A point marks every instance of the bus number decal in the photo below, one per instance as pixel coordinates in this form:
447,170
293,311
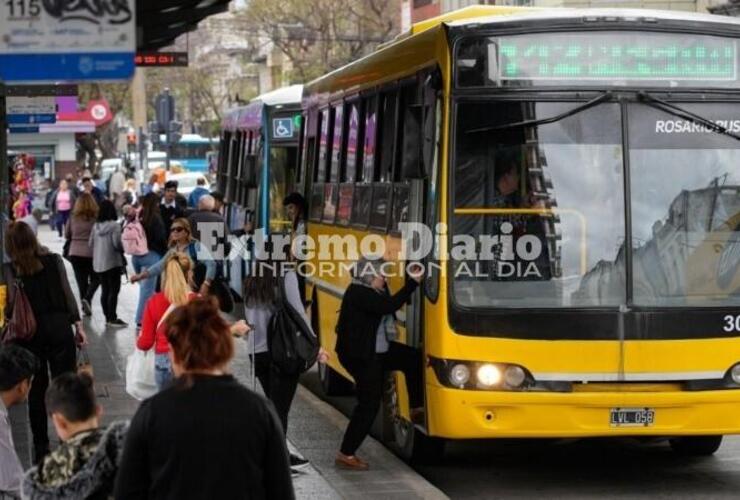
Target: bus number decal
732,323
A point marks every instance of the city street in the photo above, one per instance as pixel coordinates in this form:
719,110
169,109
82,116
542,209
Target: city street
586,469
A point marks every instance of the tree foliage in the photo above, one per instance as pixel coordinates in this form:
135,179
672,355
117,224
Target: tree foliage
105,138
318,36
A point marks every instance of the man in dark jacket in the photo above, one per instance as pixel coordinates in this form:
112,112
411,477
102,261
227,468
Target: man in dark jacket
209,227
367,349
171,207
85,464
88,186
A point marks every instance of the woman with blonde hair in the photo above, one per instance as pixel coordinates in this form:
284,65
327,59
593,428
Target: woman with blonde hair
176,291
77,232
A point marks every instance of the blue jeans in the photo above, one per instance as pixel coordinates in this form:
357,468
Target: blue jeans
147,286
162,370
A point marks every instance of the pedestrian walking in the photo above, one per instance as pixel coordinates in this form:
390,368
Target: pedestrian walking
88,186
173,205
175,292
182,241
78,232
44,281
200,190
116,188
61,203
207,225
17,367
259,307
365,346
130,196
156,239
205,435
85,464
152,186
108,261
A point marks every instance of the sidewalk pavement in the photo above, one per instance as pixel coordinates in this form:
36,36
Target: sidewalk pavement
315,428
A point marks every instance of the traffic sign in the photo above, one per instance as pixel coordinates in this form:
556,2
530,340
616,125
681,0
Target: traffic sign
66,41
282,128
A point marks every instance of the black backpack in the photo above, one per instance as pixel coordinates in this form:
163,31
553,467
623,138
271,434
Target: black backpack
293,347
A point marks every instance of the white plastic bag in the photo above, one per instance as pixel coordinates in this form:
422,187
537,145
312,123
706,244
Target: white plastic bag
140,382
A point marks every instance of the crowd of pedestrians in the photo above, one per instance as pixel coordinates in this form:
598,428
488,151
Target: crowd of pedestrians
176,446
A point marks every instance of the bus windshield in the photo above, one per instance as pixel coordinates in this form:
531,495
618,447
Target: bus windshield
685,189
545,207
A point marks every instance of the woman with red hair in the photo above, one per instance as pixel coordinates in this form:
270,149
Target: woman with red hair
205,435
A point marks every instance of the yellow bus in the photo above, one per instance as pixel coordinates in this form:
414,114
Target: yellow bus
583,170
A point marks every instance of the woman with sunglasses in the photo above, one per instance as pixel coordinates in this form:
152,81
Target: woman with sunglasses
181,240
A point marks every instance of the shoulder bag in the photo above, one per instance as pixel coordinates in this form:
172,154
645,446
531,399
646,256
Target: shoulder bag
21,325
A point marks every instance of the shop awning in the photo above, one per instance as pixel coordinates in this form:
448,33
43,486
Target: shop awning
159,22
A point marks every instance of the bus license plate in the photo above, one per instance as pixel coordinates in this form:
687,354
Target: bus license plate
632,417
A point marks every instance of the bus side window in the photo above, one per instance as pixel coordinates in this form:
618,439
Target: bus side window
319,168
351,153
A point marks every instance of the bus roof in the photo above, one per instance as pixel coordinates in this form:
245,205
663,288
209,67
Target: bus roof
467,13
423,43
636,16
250,116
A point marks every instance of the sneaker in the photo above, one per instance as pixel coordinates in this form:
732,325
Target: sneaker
294,473
116,323
86,308
297,462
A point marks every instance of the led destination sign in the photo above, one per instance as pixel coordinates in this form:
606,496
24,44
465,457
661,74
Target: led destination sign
625,56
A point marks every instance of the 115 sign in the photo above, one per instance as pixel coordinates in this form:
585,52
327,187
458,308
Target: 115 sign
20,9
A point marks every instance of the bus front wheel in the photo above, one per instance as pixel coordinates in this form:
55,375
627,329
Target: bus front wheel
403,437
696,446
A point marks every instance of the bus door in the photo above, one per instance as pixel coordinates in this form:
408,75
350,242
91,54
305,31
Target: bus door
282,171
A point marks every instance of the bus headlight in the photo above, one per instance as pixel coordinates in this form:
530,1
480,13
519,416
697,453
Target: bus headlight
735,373
514,376
459,375
488,375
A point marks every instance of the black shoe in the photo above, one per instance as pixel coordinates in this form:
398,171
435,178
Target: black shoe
297,462
86,308
294,473
116,323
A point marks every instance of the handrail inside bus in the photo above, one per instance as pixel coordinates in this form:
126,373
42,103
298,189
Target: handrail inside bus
536,211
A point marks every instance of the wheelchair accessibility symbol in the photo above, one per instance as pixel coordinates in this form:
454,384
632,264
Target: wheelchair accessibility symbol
282,128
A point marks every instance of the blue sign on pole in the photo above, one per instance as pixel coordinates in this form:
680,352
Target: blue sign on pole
24,129
67,41
29,119
282,128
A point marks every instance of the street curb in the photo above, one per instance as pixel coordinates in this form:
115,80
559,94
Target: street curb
414,485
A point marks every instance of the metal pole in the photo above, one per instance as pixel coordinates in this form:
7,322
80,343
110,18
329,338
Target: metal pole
4,186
